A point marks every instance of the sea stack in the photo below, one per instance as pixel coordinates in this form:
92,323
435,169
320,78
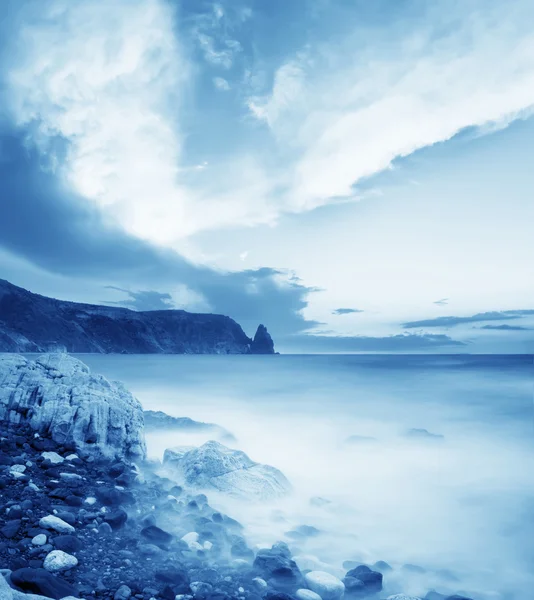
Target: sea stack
262,342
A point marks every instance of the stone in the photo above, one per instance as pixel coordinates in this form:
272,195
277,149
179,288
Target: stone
123,593
57,561
11,528
67,543
276,566
116,518
58,393
53,457
372,580
40,581
56,524
324,584
39,540
402,597
214,466
156,536
304,594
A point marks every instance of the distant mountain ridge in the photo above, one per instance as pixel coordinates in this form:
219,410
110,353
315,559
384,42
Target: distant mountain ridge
33,323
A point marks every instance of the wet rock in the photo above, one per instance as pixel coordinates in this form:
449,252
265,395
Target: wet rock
123,593
67,543
11,528
116,518
40,581
57,561
372,580
324,584
157,536
276,566
214,466
304,594
56,524
39,540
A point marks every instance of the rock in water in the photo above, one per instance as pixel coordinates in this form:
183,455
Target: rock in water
214,466
324,584
57,393
262,342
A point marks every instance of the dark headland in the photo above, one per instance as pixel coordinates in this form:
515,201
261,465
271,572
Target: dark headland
33,323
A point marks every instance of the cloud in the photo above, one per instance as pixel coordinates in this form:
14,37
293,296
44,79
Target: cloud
144,300
221,84
346,311
379,94
505,315
347,344
442,302
61,232
505,327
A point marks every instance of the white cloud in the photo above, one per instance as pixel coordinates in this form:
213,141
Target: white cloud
362,106
111,78
221,84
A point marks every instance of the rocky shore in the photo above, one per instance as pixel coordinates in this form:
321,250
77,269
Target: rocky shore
81,520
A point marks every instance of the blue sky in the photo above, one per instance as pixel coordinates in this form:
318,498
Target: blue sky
335,169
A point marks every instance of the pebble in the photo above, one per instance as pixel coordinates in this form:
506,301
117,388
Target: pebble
56,524
57,561
39,540
123,593
53,457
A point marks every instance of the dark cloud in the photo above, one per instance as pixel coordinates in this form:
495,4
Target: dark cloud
442,302
505,315
394,343
505,327
346,311
57,230
143,300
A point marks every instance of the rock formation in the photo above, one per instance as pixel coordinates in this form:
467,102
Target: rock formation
262,342
33,323
214,466
57,394
157,420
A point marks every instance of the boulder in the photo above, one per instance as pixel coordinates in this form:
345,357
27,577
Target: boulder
56,524
214,466
40,581
57,561
324,584
58,394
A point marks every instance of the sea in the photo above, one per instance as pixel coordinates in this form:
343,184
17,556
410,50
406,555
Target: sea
452,511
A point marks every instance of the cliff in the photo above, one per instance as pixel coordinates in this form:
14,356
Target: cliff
33,323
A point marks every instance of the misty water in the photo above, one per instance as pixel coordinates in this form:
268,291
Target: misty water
461,508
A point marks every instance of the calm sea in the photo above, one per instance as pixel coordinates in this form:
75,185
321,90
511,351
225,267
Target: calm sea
460,508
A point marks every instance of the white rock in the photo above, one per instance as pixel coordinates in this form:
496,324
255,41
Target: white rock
259,583
214,466
190,537
208,545
324,584
58,393
56,524
90,501
17,469
39,540
57,561
33,487
71,457
16,474
304,594
53,457
402,597
69,476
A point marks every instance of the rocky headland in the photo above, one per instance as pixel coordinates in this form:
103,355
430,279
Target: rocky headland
33,323
83,514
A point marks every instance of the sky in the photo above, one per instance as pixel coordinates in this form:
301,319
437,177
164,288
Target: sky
355,175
